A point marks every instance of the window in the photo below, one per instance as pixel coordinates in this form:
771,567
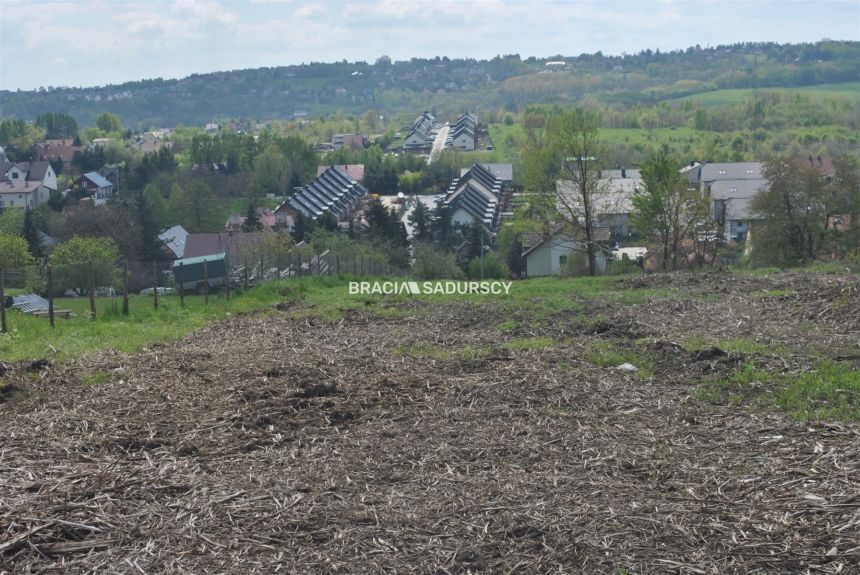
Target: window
562,260
733,190
750,171
722,172
14,175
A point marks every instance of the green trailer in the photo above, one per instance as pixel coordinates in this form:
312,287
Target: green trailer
190,275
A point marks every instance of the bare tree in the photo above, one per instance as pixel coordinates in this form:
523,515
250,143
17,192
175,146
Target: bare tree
574,143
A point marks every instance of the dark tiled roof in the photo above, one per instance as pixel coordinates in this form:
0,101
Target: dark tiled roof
334,191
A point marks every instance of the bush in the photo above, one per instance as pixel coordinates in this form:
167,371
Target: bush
494,268
431,263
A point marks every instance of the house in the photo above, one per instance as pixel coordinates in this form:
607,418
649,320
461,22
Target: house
94,187
334,191
561,251
212,128
150,142
26,184
612,200
264,215
463,133
422,133
505,172
731,187
113,174
476,195
348,141
354,171
556,66
174,239
57,149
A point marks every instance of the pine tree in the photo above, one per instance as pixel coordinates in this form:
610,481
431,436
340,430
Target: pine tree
514,258
302,226
31,234
419,218
252,220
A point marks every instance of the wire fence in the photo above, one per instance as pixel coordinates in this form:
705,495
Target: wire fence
42,289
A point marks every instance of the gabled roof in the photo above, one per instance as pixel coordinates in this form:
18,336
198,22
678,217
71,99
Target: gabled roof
174,239
532,241
477,192
99,180
35,171
334,191
726,189
505,172
355,171
711,172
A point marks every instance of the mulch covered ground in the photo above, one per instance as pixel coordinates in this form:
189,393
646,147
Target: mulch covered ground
271,444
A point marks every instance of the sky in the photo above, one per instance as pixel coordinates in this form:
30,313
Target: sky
93,43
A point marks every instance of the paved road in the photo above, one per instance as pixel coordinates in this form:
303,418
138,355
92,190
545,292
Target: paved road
438,144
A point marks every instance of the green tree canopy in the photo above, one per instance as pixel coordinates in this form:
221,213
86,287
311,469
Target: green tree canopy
79,257
14,252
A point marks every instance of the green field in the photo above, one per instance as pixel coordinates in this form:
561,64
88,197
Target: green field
847,90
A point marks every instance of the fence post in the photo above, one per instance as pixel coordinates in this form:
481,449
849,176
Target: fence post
227,279
262,274
51,294
92,292
337,264
3,325
328,263
300,264
205,283
124,287
181,283
246,274
155,290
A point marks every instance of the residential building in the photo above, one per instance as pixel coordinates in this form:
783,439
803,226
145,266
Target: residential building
354,171
422,133
334,191
94,187
562,251
476,195
174,239
348,141
612,200
264,215
731,187
57,149
26,184
463,134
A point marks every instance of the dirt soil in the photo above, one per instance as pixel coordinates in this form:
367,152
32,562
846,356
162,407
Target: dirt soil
270,443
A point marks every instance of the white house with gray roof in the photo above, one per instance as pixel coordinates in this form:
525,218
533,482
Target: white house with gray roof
26,184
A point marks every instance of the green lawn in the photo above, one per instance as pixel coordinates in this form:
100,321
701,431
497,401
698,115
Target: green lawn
848,90
328,297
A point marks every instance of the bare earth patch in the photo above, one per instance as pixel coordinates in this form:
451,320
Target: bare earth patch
269,443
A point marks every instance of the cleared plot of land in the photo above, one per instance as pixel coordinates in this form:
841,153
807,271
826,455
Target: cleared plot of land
443,436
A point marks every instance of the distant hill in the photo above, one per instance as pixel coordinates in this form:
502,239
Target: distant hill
447,86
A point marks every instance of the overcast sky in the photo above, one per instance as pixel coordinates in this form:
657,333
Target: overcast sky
79,43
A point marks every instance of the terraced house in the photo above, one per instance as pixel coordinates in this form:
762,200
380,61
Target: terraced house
479,194
463,133
334,191
26,184
422,134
